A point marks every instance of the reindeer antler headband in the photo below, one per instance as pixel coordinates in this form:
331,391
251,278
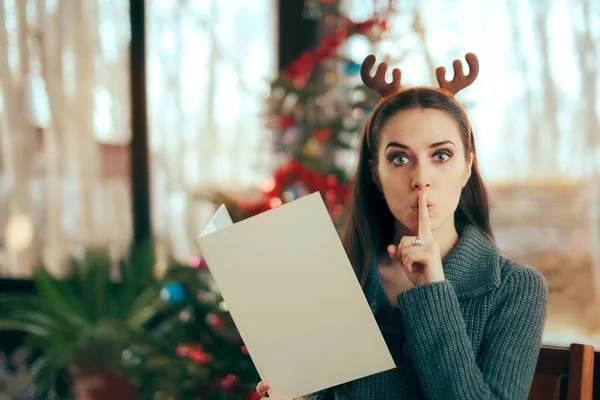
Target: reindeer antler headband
389,90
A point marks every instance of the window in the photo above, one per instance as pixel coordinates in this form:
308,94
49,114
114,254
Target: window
64,168
536,126
209,67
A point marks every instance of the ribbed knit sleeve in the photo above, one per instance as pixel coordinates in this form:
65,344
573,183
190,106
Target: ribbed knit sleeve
441,350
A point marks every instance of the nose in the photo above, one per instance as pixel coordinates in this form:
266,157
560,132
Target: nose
421,177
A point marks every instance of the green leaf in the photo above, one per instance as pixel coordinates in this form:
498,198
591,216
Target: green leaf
20,301
127,289
140,337
163,328
95,283
140,318
43,320
31,308
31,328
161,362
144,300
59,296
44,373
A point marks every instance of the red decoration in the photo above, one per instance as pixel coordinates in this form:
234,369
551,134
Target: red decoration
300,70
215,322
293,179
286,122
194,353
294,172
198,262
228,382
253,396
322,135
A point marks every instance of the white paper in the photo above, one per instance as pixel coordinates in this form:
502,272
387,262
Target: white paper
218,221
294,297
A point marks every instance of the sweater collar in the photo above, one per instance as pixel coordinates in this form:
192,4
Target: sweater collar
472,267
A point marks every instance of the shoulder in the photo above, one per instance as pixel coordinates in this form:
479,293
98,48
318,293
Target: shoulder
520,302
518,279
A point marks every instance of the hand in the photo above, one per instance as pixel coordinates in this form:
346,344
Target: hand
263,387
422,264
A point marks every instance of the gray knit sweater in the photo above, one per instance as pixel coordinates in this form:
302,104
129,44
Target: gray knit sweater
474,336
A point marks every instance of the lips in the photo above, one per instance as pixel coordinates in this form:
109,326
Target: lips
416,205
416,209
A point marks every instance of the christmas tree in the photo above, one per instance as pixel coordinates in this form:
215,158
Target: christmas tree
214,363
315,112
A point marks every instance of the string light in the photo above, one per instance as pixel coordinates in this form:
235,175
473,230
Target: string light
19,232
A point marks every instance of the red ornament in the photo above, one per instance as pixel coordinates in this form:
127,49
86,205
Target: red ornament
182,350
215,322
322,135
228,382
269,185
200,357
275,202
194,353
286,122
330,196
332,180
198,263
253,396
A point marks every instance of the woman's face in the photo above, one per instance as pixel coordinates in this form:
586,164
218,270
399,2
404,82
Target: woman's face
421,149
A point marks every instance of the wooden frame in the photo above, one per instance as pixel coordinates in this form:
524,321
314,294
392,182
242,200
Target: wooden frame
554,364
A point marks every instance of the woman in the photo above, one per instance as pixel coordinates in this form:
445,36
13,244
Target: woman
461,320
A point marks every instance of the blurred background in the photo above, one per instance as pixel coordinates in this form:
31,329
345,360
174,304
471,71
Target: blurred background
123,124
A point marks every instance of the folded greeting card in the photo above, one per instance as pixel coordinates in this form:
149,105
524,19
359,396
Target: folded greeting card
294,297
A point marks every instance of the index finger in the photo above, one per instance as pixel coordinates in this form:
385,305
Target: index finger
424,226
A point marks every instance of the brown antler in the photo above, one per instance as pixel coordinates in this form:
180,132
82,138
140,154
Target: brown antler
377,82
460,81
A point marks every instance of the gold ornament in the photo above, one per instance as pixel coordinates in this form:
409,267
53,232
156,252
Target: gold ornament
313,148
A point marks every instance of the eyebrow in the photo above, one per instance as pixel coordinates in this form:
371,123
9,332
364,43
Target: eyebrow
431,146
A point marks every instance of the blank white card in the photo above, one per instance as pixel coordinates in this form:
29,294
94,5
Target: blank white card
294,297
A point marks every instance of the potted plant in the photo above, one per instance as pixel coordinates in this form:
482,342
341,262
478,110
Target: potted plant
105,335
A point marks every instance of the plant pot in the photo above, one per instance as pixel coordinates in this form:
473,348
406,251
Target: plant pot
102,385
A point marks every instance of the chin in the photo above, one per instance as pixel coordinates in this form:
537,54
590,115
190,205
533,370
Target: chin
410,222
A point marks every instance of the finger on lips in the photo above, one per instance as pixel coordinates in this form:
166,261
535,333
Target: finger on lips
424,223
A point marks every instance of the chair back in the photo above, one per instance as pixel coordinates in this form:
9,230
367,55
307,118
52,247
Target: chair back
564,373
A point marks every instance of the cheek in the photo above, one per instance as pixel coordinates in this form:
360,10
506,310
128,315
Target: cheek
450,189
394,183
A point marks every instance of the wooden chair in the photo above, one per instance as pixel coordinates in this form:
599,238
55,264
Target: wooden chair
555,367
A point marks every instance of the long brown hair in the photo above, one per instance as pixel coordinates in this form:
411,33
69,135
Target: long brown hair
369,222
